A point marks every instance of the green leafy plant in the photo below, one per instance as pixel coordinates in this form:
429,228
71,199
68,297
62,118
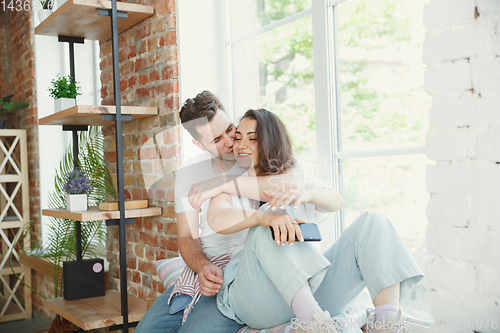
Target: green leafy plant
64,87
60,245
47,4
8,106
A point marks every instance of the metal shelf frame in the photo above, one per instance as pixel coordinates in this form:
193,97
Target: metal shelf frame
114,14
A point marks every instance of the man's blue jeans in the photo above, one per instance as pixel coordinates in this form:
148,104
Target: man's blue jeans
204,317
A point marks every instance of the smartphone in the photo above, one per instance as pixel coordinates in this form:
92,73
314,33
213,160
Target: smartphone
310,232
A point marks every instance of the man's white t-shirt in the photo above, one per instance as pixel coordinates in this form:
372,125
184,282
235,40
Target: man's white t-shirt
193,171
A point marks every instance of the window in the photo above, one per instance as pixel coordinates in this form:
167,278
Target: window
346,77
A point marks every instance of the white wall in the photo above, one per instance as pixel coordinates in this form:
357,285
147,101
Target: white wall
462,50
201,55
52,58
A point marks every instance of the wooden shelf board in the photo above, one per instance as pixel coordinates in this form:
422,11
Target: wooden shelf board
97,312
92,114
79,18
93,213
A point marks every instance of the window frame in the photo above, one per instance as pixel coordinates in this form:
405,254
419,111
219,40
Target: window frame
327,91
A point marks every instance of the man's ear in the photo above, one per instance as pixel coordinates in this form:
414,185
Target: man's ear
199,145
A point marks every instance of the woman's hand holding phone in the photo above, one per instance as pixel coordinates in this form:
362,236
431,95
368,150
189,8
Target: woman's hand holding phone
284,226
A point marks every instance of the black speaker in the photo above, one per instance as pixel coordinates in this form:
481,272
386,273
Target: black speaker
83,279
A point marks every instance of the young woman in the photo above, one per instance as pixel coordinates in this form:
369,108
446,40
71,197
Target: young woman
270,282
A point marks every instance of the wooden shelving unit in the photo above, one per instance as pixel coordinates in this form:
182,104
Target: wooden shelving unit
99,20
92,115
79,18
14,213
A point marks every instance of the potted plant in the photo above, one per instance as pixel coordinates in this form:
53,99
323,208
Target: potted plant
7,106
60,244
64,90
76,186
46,7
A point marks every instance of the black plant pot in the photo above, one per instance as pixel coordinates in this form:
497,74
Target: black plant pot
2,124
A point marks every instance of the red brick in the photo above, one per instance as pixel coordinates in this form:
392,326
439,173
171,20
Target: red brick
158,286
172,135
136,277
166,6
161,254
143,293
132,52
122,55
136,194
133,80
144,92
107,75
172,244
172,151
169,87
106,48
123,85
154,76
150,254
143,32
127,68
104,92
143,79
141,64
144,46
127,194
168,212
110,156
146,267
169,72
172,103
147,154
145,139
132,291
160,226
148,239
148,224
123,40
131,263
159,195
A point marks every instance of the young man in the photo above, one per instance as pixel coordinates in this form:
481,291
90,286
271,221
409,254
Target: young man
203,177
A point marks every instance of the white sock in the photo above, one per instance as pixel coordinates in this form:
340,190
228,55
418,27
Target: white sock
381,312
304,305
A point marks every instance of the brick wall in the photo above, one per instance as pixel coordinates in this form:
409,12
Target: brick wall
149,77
462,50
17,76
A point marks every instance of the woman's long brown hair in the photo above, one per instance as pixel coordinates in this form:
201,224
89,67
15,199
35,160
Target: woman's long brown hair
275,145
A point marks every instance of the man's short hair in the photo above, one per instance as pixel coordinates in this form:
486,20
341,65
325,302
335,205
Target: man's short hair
205,104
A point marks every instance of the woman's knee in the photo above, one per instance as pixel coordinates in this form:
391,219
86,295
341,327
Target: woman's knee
373,219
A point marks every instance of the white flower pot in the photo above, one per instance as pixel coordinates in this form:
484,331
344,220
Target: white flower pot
76,202
43,14
63,104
